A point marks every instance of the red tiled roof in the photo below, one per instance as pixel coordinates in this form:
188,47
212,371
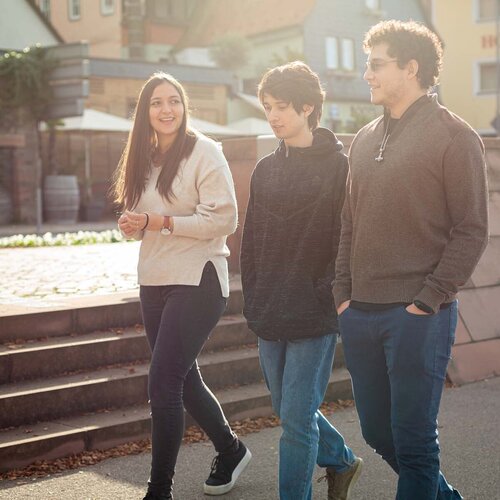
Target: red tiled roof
214,18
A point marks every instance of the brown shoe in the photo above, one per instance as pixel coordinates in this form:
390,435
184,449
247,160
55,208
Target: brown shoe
341,483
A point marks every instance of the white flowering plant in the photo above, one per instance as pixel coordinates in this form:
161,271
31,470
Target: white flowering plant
62,239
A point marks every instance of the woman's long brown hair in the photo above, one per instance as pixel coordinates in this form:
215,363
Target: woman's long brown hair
133,170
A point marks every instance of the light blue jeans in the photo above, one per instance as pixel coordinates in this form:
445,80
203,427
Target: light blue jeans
297,374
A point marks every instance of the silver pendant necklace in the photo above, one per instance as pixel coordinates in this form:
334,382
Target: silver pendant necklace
383,144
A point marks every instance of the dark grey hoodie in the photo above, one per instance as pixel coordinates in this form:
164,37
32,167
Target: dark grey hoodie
290,239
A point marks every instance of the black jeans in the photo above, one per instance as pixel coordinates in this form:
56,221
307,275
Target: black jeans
178,320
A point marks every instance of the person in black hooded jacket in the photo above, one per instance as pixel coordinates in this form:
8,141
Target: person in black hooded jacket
289,246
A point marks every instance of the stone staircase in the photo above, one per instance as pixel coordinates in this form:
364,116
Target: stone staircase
75,378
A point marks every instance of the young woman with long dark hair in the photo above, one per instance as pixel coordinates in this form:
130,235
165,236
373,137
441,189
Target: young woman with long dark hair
178,197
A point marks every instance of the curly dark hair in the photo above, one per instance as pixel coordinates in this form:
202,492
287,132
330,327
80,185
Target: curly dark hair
406,41
295,83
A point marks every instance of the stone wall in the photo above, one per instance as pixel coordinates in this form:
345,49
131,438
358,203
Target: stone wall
18,135
476,354
105,152
241,155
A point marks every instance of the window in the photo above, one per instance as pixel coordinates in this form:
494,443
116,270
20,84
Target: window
107,7
372,4
342,59
45,8
74,10
347,54
171,11
332,53
486,10
162,9
189,6
487,78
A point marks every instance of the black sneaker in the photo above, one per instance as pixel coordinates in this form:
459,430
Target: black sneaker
226,468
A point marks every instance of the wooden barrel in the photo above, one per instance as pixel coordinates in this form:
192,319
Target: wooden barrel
61,198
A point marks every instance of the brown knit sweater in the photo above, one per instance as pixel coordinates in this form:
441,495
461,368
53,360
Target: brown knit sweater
415,224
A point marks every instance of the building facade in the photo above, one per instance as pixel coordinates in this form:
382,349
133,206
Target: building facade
333,46
327,34
22,25
128,29
128,41
115,86
96,21
470,80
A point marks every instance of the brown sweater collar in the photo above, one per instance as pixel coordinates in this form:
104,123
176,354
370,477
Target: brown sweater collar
413,108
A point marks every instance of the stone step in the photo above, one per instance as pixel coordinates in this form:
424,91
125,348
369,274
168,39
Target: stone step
70,353
86,314
31,401
53,439
78,315
61,396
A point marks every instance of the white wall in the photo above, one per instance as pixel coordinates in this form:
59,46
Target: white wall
20,26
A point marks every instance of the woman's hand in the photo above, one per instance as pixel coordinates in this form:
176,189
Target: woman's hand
131,222
138,220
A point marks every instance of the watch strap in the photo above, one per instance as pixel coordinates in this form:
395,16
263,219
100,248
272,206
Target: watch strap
166,228
423,306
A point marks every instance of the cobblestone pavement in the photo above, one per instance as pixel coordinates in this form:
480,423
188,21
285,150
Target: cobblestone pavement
42,276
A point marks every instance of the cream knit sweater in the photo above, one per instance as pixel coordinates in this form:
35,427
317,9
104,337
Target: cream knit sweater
204,212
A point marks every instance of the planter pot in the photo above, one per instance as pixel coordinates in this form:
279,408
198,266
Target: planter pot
61,198
5,207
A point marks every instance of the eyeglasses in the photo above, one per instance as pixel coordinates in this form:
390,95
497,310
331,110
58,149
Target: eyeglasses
378,64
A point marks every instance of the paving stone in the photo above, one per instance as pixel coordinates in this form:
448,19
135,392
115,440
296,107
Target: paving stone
30,273
462,336
487,272
494,211
479,311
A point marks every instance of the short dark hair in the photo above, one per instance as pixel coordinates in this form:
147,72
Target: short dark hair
406,41
295,83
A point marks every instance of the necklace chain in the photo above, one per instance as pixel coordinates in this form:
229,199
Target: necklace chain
383,144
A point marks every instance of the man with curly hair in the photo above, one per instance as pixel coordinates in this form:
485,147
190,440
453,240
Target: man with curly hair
414,226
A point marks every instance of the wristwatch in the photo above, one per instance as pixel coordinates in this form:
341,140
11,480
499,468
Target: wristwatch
165,230
423,306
